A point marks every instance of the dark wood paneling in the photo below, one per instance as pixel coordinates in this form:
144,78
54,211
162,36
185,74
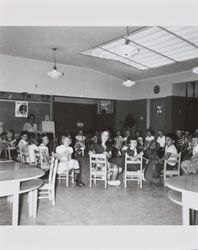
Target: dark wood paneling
158,120
7,114
67,114
104,121
138,109
178,113
184,113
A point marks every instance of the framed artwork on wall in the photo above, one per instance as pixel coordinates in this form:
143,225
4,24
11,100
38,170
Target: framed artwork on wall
21,109
105,107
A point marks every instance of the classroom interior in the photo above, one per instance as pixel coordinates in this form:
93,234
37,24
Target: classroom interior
164,67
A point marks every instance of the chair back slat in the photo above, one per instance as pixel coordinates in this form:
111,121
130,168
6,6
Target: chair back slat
128,160
135,175
174,172
98,168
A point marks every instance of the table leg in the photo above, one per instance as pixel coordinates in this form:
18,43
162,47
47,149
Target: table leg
186,216
15,209
35,196
30,203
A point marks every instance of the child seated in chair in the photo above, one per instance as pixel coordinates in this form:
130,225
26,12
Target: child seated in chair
80,143
11,143
3,145
104,147
33,150
64,153
118,140
44,150
23,146
133,154
170,156
191,165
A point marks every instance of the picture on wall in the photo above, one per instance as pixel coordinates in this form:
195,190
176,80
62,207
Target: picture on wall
21,108
105,107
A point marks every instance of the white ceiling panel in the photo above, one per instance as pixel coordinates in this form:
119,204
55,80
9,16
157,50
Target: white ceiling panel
162,50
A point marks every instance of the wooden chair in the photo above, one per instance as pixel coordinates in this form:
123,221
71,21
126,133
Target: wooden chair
99,168
133,175
174,172
67,175
9,149
48,189
40,160
23,155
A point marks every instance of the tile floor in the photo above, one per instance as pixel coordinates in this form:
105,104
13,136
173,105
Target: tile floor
99,206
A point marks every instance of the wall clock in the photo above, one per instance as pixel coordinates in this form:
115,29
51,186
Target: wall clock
156,89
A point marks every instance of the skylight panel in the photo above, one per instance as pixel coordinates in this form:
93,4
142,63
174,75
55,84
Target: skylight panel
155,47
189,33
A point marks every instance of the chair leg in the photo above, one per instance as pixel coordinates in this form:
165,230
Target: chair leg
90,180
49,195
53,197
125,180
73,177
67,179
164,180
141,183
106,177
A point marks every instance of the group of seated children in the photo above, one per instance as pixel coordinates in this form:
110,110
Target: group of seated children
34,150
154,151
26,148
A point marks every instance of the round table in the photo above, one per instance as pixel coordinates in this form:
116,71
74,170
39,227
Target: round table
12,174
187,185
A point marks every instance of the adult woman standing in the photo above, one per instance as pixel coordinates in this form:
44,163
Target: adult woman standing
105,148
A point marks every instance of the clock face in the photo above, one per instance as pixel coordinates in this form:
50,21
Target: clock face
156,89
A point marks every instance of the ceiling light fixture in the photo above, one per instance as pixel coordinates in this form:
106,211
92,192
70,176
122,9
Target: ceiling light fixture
128,83
195,70
127,50
55,73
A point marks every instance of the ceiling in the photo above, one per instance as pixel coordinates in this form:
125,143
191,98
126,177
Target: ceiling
36,43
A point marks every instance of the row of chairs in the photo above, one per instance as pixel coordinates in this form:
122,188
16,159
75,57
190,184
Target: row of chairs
102,173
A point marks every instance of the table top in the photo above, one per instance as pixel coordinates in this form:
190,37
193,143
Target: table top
11,171
184,183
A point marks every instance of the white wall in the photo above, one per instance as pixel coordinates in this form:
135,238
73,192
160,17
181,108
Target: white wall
144,88
27,75
24,75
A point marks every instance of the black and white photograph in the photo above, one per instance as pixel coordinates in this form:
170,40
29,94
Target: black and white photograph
21,109
99,127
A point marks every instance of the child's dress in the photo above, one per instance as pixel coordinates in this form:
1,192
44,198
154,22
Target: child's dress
33,153
23,151
66,161
45,157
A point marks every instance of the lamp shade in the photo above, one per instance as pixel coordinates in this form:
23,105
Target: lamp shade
55,74
195,70
128,83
